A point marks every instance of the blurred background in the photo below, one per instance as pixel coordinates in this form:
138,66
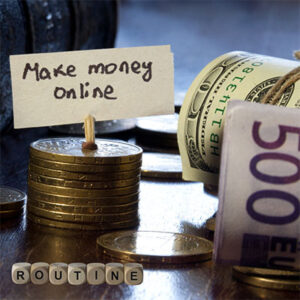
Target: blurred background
198,32
201,30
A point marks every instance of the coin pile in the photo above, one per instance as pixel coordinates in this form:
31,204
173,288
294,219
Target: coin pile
158,132
72,188
268,278
11,202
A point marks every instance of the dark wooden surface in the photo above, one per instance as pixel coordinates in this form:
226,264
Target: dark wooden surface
198,31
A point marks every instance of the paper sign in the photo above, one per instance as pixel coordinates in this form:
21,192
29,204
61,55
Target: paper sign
63,87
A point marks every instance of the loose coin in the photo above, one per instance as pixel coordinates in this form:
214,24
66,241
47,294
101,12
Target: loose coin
264,272
84,176
78,226
69,150
82,193
82,218
84,168
155,247
83,184
267,282
165,125
71,200
83,209
11,199
211,224
161,165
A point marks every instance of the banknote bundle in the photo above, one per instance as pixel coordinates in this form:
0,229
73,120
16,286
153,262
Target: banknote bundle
72,188
232,76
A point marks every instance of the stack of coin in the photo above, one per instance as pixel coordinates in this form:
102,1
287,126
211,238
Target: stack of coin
158,132
268,278
11,202
73,188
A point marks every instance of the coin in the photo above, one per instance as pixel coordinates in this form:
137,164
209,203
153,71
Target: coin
155,247
83,209
78,226
165,125
84,168
101,127
69,150
161,165
82,193
71,200
11,198
83,184
82,218
264,272
211,224
84,176
267,282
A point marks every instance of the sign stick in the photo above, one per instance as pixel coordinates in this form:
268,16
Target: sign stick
89,131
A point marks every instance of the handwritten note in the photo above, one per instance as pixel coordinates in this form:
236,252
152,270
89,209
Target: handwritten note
63,87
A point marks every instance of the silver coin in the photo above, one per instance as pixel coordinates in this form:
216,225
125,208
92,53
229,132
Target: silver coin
11,198
161,165
165,125
102,127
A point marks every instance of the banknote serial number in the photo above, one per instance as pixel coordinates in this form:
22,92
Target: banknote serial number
230,89
286,244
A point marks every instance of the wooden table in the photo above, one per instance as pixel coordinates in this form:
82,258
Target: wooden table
164,206
198,31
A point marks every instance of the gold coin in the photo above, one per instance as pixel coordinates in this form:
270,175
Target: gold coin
161,165
264,272
83,184
11,199
78,226
82,218
83,209
69,150
155,247
84,176
211,224
267,282
71,200
82,193
85,168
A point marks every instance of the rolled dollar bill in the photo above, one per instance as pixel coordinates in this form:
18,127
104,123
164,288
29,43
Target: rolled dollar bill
259,190
235,75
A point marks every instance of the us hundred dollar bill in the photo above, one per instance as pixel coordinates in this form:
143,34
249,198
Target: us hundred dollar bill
258,219
235,75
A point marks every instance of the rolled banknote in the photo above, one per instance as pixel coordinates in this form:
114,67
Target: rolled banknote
235,75
258,220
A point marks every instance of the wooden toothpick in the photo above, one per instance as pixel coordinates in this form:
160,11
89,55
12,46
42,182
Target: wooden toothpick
89,131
